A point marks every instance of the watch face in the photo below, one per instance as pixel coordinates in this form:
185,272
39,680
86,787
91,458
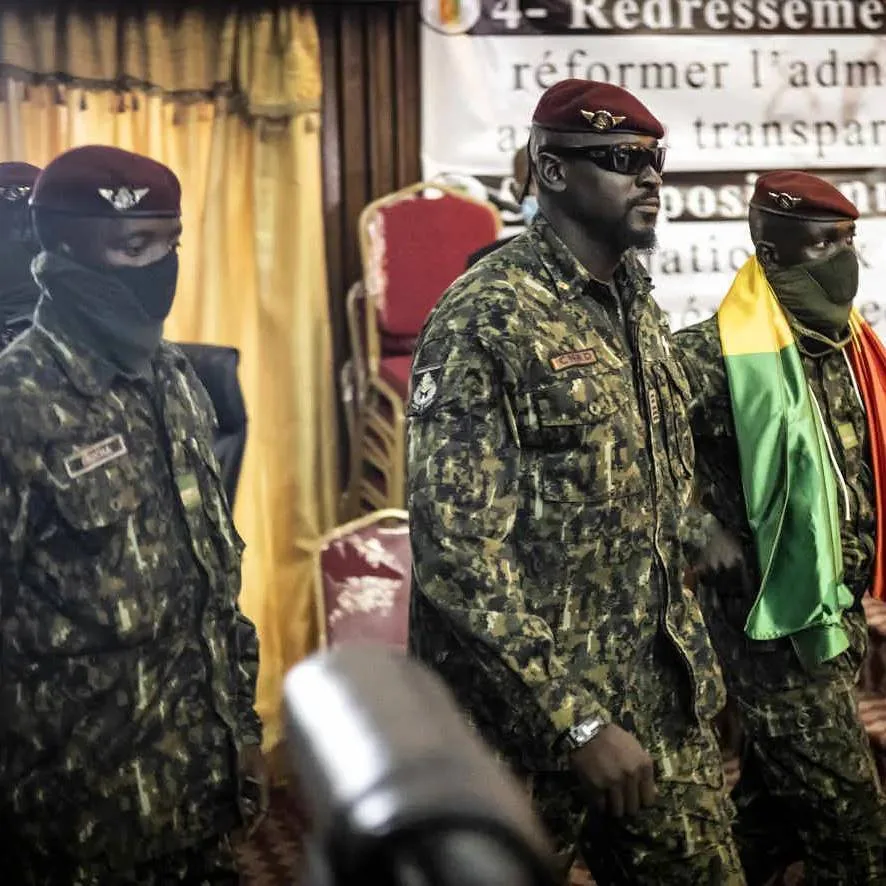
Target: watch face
584,732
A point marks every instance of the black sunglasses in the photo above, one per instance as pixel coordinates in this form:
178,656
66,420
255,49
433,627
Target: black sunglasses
623,159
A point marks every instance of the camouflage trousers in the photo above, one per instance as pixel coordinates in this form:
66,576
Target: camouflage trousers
208,864
684,839
809,788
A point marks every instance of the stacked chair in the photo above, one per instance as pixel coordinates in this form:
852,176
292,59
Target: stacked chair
413,245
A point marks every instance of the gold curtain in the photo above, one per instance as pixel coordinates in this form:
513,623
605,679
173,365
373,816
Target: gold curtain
252,266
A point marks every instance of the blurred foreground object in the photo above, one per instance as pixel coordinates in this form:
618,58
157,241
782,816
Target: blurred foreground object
397,788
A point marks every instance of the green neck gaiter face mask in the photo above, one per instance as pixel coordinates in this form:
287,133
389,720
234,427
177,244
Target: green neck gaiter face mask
819,294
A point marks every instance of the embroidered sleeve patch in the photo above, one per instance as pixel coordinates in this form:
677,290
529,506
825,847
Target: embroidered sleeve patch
91,457
847,434
654,410
574,358
426,385
189,491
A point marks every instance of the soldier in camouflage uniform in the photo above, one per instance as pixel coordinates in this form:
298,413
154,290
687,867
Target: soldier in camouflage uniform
550,464
18,246
129,745
808,787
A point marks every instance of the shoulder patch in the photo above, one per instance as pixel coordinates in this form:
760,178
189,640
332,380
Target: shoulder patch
426,382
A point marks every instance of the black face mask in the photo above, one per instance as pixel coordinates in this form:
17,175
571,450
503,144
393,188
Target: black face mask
819,293
18,289
102,311
153,285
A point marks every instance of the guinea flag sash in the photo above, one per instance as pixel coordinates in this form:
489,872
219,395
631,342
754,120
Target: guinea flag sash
869,362
788,480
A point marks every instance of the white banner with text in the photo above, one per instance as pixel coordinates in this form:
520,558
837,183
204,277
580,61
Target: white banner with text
742,86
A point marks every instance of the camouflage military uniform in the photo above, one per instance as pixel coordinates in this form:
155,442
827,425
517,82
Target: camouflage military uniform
10,331
550,461
808,785
128,672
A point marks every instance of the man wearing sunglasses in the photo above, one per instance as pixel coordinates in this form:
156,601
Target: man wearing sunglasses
550,467
789,433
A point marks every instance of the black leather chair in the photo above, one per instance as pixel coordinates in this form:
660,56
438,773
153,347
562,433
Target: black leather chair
216,367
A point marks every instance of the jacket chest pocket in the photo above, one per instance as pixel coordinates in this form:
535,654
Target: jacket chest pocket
588,444
673,392
216,525
100,547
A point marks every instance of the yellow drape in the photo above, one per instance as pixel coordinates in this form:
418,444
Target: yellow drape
252,276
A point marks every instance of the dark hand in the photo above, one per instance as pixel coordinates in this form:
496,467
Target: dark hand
255,796
618,771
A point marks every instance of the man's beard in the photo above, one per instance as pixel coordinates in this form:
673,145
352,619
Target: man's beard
630,238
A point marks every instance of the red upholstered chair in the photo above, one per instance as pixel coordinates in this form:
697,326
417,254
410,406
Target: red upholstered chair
413,244
353,374
363,577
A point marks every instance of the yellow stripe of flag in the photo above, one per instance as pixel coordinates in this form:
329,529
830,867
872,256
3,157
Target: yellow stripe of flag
751,322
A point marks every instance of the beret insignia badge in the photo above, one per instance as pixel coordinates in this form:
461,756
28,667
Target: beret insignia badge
602,121
123,198
14,193
784,200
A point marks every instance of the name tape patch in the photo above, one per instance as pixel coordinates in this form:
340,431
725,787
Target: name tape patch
85,460
574,358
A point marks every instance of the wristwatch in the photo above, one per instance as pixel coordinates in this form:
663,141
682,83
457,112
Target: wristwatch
578,736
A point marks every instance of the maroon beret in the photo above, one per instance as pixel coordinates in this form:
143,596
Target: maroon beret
800,195
98,180
16,181
593,107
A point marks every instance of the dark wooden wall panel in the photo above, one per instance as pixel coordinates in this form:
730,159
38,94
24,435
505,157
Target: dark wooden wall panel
371,129
371,119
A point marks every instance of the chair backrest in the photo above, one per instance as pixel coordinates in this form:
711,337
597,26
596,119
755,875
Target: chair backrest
413,246
216,367
355,306
363,578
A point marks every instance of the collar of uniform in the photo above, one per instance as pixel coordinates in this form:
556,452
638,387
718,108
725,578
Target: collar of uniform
168,353
571,278
87,372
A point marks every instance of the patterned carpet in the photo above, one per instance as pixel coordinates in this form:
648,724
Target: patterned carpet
274,854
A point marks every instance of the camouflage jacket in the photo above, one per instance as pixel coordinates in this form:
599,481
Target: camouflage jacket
127,673
717,465
549,466
9,332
